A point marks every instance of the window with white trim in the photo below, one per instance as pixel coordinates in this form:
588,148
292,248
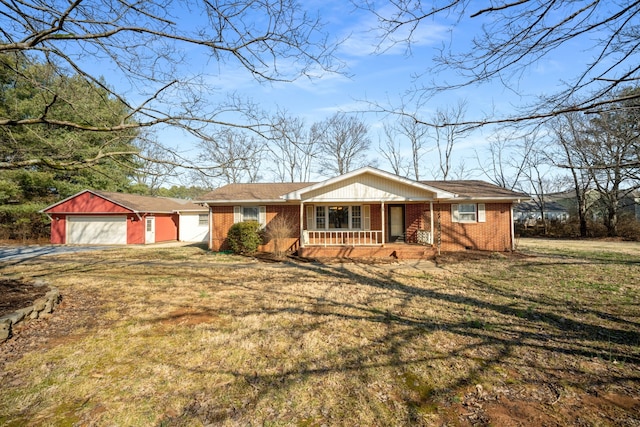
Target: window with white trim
250,213
203,220
336,217
468,212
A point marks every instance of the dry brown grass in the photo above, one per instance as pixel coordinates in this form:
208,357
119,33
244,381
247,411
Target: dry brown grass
184,337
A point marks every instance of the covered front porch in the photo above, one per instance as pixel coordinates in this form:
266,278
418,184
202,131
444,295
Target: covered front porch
363,213
367,230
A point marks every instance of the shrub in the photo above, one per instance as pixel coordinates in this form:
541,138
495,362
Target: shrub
244,237
279,230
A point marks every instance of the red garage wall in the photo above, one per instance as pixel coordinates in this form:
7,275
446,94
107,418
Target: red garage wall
87,203
166,227
91,204
135,231
58,229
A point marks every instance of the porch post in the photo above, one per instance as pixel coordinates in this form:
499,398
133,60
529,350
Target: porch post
382,216
431,219
301,224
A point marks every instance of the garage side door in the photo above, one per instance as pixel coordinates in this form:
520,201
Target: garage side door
97,230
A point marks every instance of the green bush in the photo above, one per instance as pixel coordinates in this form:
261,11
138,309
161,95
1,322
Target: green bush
244,237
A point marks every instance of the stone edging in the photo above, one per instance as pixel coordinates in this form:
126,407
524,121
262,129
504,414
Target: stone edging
40,307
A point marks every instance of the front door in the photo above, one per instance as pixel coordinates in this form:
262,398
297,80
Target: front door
150,230
396,223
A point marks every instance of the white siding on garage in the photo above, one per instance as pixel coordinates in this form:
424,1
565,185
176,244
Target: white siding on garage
97,230
191,229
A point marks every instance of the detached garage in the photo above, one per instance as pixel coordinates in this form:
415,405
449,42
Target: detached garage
106,218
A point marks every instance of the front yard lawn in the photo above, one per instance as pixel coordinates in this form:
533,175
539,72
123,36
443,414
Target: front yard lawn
184,337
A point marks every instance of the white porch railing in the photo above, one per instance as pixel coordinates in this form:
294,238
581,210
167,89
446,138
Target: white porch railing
341,238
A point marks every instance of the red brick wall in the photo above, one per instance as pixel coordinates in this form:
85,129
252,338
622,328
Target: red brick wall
492,235
413,220
376,217
223,220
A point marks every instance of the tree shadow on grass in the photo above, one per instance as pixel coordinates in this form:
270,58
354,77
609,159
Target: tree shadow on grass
498,330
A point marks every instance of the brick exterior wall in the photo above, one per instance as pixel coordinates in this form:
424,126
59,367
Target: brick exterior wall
492,235
223,220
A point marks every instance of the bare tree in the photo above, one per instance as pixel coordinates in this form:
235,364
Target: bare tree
291,148
151,46
448,132
515,35
391,149
569,132
415,132
536,174
152,175
606,146
503,165
237,154
343,143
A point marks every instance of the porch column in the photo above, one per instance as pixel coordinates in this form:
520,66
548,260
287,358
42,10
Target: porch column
382,216
431,219
513,231
301,224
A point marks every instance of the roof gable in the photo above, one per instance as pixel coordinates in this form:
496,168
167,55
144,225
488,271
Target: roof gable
89,201
368,184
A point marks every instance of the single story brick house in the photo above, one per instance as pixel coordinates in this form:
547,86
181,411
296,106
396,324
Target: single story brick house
371,213
107,218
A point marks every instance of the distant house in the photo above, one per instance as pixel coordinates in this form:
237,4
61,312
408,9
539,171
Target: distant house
629,203
371,213
529,213
101,218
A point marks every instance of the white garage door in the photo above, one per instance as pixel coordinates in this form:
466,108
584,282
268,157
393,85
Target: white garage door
97,230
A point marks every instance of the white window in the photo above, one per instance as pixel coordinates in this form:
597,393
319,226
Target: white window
321,217
203,220
468,212
344,217
250,213
356,217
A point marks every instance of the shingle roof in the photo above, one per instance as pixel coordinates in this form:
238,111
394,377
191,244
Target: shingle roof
254,192
272,191
139,203
475,189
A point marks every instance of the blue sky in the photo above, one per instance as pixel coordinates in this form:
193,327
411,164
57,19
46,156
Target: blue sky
383,76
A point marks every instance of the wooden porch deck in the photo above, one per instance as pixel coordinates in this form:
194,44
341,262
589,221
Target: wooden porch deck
387,251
